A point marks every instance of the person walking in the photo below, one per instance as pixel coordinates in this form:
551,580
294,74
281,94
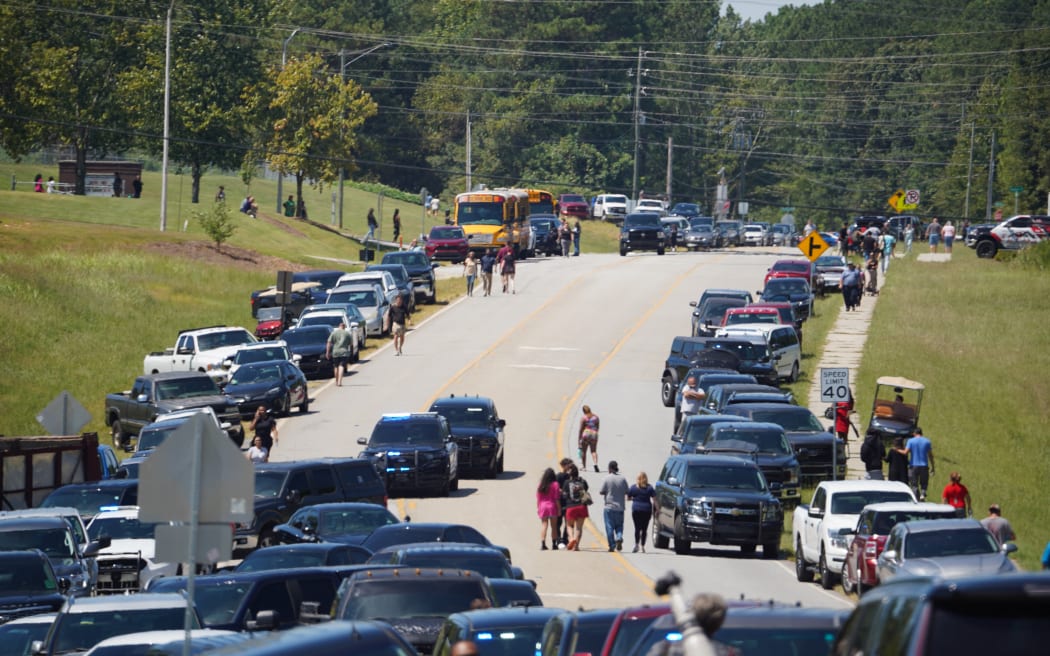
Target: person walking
998,525
400,317
576,230
957,496
692,398
948,235
264,427
136,187
50,184
888,244
588,437
614,492
548,507
641,496
844,240
872,451
505,257
851,286
576,507
289,206
257,452
897,461
372,225
909,236
488,263
396,221
562,478
470,271
867,244
919,450
448,217
933,234
435,206
338,351
674,237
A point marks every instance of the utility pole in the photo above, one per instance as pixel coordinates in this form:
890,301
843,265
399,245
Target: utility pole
167,121
637,120
969,176
670,155
991,180
284,60
470,184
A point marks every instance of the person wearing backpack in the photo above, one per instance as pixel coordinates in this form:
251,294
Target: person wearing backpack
576,509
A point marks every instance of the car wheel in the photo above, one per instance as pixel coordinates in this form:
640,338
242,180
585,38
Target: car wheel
859,585
802,573
267,537
848,587
283,405
499,464
117,433
771,550
660,541
454,485
304,407
827,580
445,488
667,391
794,373
682,546
623,251
748,548
987,249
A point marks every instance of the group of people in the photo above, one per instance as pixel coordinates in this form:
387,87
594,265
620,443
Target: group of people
935,233
264,435
492,261
569,237
38,184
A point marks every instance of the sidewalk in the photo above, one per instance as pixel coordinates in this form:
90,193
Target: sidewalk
844,347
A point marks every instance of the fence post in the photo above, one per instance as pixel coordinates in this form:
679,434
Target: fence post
12,182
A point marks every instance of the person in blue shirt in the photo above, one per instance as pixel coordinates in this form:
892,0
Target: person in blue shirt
1046,556
919,450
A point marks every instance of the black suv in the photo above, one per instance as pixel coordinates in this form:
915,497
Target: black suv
708,294
707,378
478,431
28,585
402,279
415,601
677,364
720,397
743,356
917,616
766,444
420,269
812,443
715,499
642,232
281,488
415,452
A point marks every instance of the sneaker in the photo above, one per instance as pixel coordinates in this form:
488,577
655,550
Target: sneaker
572,545
643,548
596,470
635,550
543,546
612,549
619,545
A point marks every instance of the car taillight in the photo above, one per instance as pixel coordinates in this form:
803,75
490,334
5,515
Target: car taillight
871,548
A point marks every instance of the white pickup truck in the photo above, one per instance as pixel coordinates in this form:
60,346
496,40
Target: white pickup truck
820,545
201,349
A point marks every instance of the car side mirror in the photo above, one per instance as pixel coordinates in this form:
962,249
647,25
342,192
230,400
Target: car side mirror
890,555
295,496
142,398
692,303
433,265
265,620
847,531
816,513
1009,548
363,441
37,646
226,364
671,480
517,573
676,438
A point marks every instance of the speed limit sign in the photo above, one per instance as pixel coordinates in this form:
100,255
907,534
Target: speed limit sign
834,385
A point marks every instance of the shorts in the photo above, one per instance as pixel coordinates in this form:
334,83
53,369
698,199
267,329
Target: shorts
589,440
340,361
398,329
934,240
573,513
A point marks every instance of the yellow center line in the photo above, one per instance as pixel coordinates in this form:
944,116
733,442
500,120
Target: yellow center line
575,398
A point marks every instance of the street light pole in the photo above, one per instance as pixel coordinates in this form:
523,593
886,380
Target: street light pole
167,121
284,59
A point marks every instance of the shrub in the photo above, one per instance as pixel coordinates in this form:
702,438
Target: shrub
217,224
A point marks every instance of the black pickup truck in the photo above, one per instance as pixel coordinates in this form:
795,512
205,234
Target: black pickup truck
157,394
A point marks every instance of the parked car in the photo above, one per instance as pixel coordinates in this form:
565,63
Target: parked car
487,561
477,429
754,235
929,616
791,268
370,300
573,205
710,313
513,592
447,243
420,269
731,231
677,364
948,548
642,231
128,563
272,350
868,539
342,522
609,207
715,499
629,625
819,451
766,445
793,290
414,452
357,320
325,279
828,270
705,380
277,385
142,642
332,319
1013,234
895,226
576,632
783,235
403,281
687,210
545,234
18,632
496,630
294,556
700,237
654,205
785,351
28,585
411,532
749,357
736,294
692,432
273,321
310,344
90,498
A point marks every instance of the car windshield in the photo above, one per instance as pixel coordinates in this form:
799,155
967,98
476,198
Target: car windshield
830,261
885,521
260,355
408,258
642,221
26,575
494,568
716,308
702,222
786,286
302,337
87,501
1015,626
57,543
767,441
358,521
269,314
572,198
795,419
730,478
363,297
686,209
186,388
743,350
332,320
153,436
851,503
414,433
257,373
82,631
751,317
479,214
209,341
269,483
458,415
121,528
447,233
543,225
793,267
696,431
266,560
800,640
399,273
407,598
959,542
383,539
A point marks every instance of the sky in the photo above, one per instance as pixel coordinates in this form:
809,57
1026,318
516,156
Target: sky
757,9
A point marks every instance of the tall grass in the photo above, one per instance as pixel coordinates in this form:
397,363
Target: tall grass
974,332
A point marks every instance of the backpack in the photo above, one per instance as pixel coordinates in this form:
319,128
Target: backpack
578,493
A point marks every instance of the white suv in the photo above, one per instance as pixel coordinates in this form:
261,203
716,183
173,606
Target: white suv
782,340
610,207
127,564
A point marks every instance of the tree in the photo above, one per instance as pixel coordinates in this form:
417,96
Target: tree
217,224
314,118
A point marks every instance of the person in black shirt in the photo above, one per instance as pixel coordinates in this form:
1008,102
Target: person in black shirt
264,427
399,317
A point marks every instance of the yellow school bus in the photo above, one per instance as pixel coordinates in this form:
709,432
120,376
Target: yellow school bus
487,217
540,201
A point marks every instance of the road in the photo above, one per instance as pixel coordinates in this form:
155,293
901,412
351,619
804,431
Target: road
595,330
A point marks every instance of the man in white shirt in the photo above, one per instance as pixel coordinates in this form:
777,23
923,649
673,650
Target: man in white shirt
692,397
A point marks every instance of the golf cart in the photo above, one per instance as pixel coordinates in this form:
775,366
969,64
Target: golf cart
895,411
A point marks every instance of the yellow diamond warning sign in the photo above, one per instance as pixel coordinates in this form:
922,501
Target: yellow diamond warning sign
813,246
